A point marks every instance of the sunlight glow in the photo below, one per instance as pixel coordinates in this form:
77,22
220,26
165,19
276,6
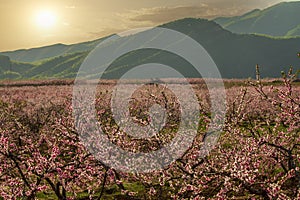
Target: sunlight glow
45,19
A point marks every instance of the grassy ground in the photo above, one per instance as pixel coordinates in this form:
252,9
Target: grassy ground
110,193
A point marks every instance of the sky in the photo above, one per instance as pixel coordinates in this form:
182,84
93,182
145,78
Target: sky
34,23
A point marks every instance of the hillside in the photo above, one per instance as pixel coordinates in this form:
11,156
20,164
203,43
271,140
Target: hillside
65,66
282,19
35,54
235,55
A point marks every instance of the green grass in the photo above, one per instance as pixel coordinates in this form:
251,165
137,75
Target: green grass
110,193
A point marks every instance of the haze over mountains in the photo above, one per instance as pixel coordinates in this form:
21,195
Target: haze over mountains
235,54
282,19
35,54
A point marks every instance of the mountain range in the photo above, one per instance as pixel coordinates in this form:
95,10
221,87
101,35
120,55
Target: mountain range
234,53
282,19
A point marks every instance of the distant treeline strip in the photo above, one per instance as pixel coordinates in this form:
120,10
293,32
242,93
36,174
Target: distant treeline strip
228,83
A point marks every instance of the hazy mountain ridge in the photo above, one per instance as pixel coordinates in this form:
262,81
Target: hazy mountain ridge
235,54
282,19
40,53
64,66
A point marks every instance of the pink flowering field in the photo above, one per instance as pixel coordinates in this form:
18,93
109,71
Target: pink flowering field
257,155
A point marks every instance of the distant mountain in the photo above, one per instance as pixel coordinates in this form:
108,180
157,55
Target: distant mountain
235,55
11,69
282,19
64,66
4,63
35,54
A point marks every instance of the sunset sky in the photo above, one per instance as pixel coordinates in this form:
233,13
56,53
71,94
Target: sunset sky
32,23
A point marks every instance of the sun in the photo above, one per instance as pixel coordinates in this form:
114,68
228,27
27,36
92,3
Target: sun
45,19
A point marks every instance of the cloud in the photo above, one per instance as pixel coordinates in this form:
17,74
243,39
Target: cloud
153,16
208,9
159,15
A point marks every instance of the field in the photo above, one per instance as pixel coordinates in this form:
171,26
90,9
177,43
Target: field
256,157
